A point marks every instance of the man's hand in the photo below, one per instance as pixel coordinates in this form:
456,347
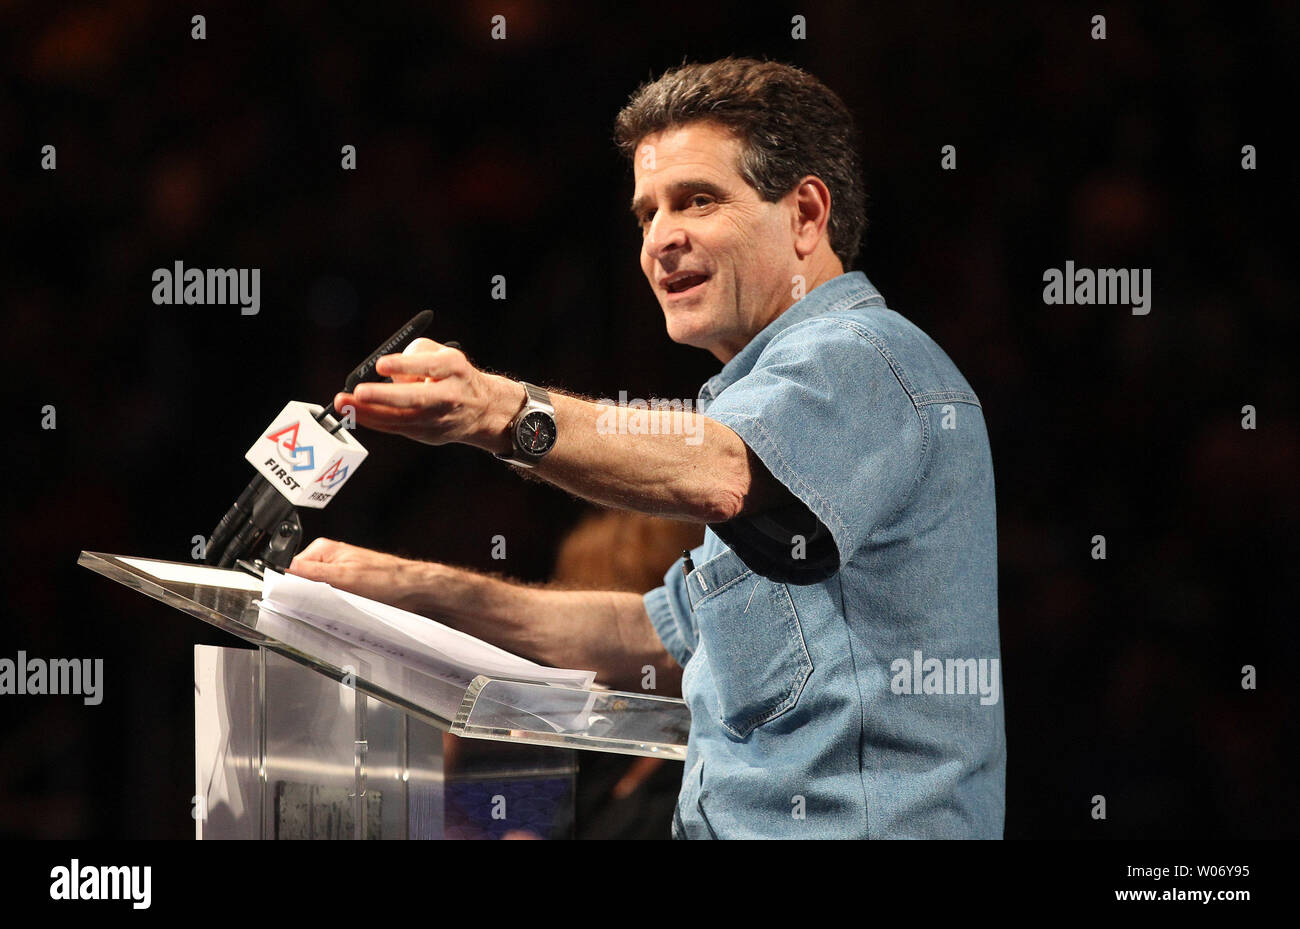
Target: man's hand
372,574
437,397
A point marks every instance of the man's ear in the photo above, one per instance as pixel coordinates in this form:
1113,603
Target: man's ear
812,211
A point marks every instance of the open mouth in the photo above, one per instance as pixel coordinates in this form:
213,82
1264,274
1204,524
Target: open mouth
685,283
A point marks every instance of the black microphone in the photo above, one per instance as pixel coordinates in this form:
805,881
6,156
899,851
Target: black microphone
365,371
262,524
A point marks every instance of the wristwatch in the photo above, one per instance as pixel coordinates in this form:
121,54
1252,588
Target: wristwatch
532,431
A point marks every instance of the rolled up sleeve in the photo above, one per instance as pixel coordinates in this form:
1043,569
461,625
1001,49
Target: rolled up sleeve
826,414
669,607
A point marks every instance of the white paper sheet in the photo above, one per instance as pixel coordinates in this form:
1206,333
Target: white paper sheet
405,637
194,574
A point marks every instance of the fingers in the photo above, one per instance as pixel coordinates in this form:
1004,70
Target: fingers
318,560
429,384
436,362
419,345
382,418
351,568
423,345
320,550
420,395
312,570
376,415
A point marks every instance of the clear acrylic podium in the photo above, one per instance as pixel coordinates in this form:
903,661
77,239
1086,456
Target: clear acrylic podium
310,736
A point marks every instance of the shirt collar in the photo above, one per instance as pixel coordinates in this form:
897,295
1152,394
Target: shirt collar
846,290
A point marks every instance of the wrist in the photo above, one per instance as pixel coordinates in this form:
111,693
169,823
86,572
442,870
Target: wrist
425,587
505,398
490,608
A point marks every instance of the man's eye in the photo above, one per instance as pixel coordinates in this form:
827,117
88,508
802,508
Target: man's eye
644,219
695,201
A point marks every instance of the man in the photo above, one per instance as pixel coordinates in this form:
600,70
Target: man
838,626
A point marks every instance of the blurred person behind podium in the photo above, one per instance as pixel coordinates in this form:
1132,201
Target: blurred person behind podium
619,797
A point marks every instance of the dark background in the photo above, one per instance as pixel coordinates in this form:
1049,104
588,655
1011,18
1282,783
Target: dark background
480,157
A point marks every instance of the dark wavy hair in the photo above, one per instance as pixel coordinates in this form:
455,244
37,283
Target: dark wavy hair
789,123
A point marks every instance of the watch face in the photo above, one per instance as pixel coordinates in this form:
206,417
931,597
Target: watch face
536,433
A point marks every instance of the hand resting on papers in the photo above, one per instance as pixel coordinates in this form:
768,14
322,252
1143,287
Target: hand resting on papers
363,571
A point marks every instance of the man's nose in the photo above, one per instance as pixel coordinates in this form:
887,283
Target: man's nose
665,233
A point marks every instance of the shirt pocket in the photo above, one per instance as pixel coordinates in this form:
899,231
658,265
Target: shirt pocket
750,630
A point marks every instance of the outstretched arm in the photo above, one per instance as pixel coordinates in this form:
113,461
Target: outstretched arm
665,463
608,632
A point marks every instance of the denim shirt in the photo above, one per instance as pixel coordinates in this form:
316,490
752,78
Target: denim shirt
841,657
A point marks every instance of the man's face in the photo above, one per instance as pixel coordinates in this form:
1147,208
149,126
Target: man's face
716,255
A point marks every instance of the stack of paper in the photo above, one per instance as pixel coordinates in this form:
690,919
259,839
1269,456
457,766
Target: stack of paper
408,638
